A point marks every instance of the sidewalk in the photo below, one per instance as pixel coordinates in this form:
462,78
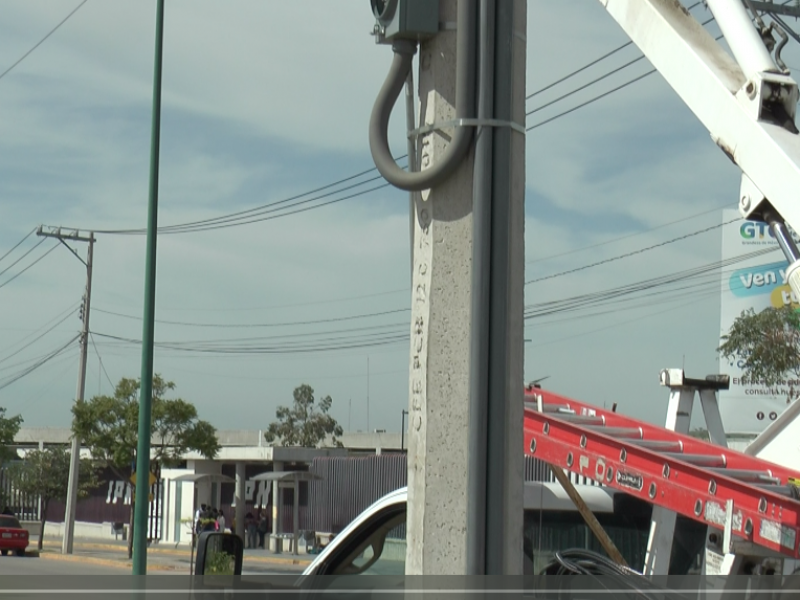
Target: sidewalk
166,557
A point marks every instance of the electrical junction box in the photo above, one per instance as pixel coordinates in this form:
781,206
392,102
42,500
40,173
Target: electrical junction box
405,19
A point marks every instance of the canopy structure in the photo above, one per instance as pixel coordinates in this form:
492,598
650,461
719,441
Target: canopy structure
295,477
200,478
204,477
287,476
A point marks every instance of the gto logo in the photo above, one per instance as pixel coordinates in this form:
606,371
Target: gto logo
753,230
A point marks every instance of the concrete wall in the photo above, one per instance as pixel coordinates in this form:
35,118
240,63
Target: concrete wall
83,531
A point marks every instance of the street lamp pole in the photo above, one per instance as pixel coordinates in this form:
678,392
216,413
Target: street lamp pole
146,381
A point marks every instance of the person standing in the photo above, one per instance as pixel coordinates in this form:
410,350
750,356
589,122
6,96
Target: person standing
262,529
251,531
221,521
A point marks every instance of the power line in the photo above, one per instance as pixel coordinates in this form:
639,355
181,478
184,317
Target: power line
5,283
625,237
584,86
597,298
251,211
67,310
591,64
612,326
23,362
588,102
293,305
352,338
100,358
604,94
296,378
36,339
14,378
29,403
39,243
338,333
40,42
334,345
633,253
17,245
246,217
258,325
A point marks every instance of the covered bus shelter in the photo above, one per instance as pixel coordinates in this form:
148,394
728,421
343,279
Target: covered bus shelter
293,477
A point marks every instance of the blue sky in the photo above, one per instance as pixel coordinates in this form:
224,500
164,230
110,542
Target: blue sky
266,100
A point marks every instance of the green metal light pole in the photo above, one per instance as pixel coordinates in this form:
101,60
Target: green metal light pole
146,388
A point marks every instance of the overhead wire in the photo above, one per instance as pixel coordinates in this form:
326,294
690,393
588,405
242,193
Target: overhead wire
627,236
592,63
260,325
248,216
7,281
218,222
41,41
328,345
4,383
36,339
632,253
604,94
594,298
18,244
100,359
355,337
39,243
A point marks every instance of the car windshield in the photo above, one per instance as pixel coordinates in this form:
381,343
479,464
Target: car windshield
7,521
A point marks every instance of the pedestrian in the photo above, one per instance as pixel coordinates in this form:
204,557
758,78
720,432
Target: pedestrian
198,515
251,531
221,521
262,529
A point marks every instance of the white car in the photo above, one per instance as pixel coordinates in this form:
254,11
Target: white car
372,544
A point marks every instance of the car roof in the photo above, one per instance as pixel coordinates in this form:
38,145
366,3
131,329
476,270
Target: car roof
538,495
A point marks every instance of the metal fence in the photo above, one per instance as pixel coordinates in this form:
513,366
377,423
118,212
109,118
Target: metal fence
350,485
110,502
26,507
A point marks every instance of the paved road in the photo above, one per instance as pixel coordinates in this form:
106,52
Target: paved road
27,565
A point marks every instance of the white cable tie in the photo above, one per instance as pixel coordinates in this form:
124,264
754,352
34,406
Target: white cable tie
466,123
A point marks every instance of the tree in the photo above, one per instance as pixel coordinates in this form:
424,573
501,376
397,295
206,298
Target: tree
45,473
108,426
303,425
767,346
9,428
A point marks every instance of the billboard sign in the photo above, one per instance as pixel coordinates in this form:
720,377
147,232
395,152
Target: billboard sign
758,283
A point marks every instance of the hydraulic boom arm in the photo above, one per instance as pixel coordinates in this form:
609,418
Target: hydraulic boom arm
746,101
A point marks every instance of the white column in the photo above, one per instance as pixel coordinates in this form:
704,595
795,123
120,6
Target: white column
277,507
240,498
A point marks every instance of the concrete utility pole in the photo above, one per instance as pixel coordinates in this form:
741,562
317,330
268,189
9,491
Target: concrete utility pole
465,442
74,461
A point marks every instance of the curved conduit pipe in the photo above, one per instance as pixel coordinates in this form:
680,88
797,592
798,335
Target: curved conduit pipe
404,51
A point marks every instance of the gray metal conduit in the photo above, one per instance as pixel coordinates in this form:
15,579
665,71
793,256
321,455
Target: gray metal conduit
481,305
465,105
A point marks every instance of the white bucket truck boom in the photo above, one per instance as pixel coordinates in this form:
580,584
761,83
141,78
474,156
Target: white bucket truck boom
746,101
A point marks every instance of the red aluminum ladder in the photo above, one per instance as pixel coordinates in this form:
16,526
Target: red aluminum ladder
668,469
